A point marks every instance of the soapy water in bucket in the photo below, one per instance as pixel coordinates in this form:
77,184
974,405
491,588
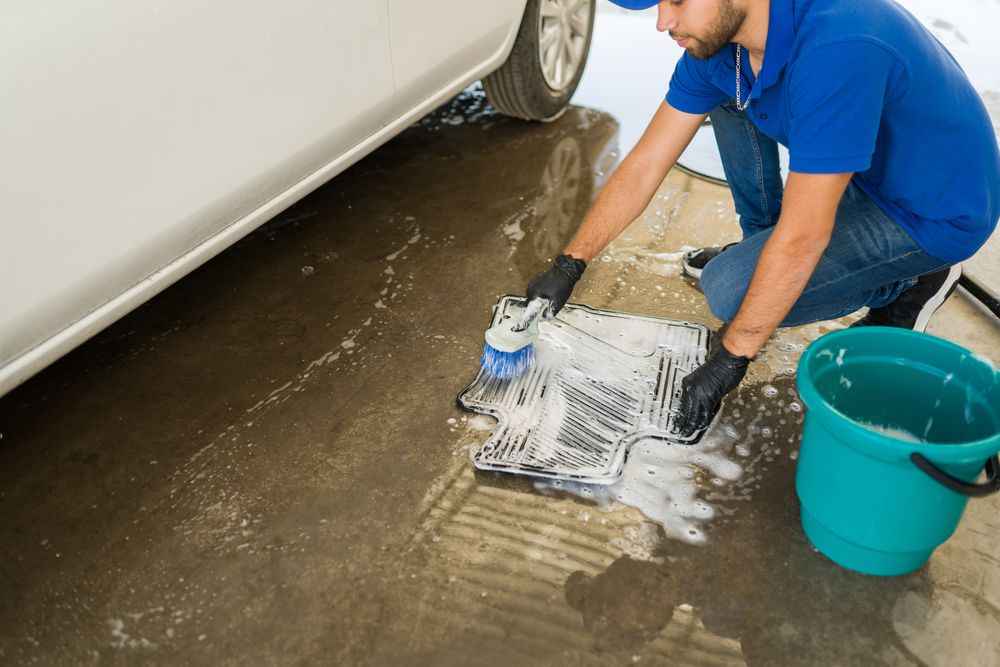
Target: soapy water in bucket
897,432
870,503
907,403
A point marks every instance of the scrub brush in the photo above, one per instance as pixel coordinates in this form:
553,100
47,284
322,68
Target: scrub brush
509,350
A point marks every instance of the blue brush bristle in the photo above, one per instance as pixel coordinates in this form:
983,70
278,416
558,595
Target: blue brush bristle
507,365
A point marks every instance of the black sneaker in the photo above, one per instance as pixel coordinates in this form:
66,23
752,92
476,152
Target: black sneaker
913,308
695,260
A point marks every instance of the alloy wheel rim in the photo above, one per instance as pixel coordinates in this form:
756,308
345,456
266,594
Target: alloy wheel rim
563,28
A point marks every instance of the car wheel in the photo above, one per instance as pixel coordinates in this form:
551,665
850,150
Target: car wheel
546,63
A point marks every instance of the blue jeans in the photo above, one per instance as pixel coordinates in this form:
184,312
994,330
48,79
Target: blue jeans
870,260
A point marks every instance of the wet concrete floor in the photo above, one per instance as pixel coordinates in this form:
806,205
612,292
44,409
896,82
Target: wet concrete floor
265,464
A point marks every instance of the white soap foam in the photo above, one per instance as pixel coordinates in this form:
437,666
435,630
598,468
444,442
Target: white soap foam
481,423
660,480
897,432
667,264
927,429
970,398
513,231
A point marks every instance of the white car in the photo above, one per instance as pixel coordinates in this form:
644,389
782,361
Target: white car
139,139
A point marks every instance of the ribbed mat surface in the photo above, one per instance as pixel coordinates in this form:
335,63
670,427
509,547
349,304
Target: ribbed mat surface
602,380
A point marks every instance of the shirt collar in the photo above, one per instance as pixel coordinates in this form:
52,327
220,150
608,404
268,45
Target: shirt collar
778,48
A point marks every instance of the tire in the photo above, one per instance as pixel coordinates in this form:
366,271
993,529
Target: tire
526,88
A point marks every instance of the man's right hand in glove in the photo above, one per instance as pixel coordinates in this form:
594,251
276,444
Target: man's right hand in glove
703,390
556,283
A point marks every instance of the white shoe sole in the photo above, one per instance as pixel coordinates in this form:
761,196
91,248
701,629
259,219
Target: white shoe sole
688,269
693,272
937,300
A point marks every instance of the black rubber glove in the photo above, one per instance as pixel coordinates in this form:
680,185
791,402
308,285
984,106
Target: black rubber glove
556,283
703,389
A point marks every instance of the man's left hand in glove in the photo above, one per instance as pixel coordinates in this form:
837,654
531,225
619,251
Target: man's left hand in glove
702,391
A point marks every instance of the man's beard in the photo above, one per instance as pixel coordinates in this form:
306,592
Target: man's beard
719,34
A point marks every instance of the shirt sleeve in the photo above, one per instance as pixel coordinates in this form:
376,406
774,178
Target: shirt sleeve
837,94
691,89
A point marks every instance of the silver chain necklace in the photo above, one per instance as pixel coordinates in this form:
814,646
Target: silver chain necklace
742,106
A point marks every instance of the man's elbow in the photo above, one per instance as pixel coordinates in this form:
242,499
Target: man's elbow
803,241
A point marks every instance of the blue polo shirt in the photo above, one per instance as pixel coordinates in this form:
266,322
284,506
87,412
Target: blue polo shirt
860,86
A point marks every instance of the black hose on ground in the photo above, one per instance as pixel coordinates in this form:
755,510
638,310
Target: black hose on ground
981,292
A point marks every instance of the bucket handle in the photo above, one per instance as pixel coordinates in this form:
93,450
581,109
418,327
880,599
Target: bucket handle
992,484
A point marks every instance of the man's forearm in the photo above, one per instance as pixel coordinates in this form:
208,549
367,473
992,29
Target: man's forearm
785,265
787,260
622,200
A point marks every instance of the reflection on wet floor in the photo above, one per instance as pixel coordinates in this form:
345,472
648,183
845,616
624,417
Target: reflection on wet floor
265,463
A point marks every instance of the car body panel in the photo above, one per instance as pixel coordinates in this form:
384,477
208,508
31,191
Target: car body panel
123,174
433,40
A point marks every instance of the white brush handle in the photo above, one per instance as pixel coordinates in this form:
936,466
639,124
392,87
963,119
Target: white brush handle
534,309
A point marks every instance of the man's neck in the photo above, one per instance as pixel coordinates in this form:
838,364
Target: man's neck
753,32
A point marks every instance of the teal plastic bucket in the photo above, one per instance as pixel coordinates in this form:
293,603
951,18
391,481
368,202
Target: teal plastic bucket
898,427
